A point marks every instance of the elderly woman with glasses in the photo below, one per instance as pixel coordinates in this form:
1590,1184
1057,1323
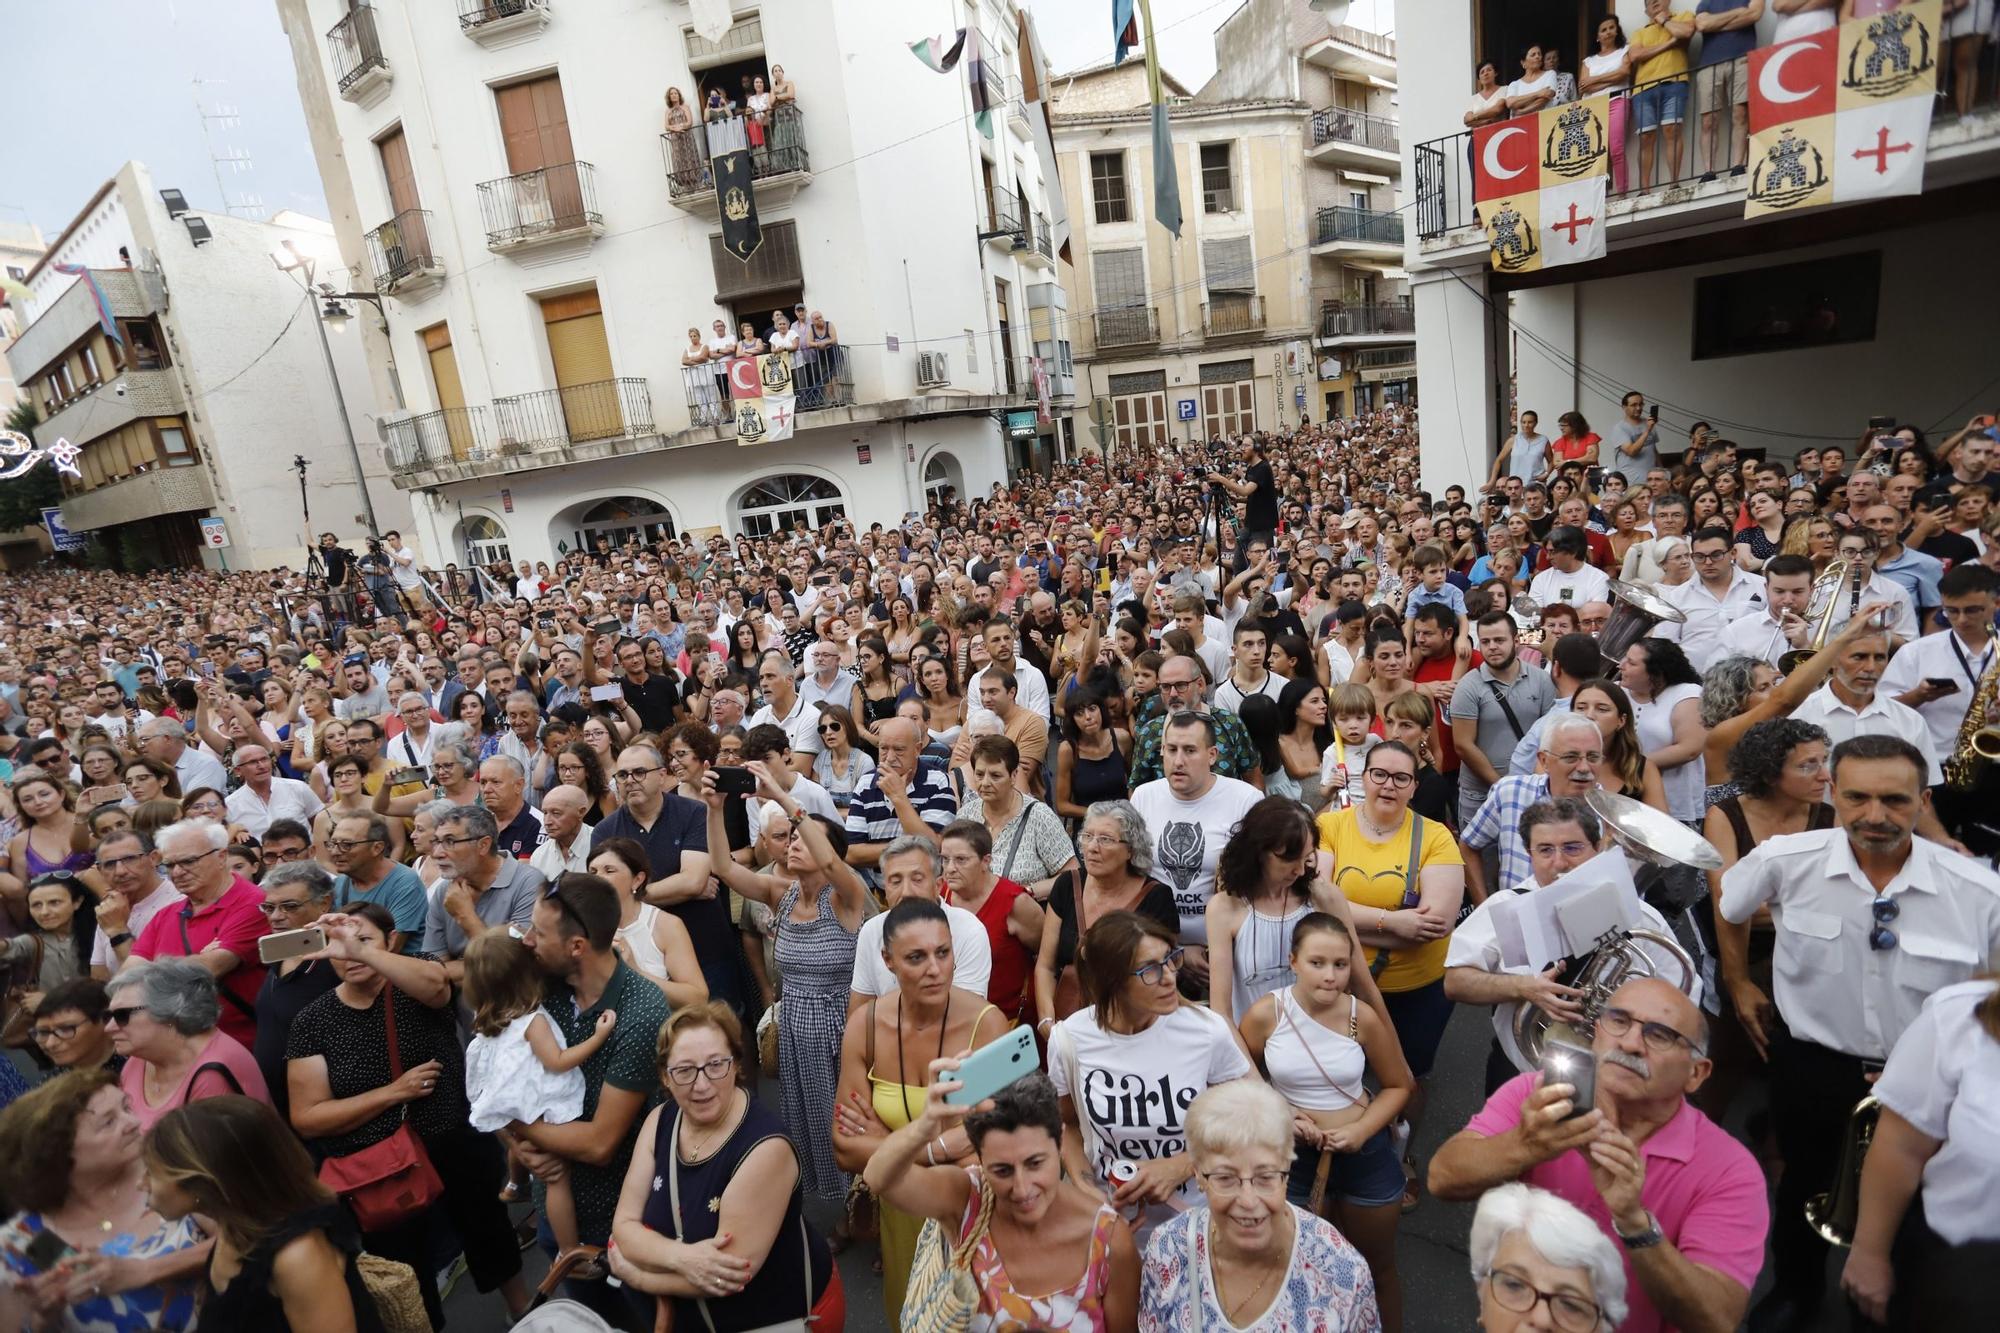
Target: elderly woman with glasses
1245,1258
1533,1251
163,1021
1116,851
1140,1032
698,1225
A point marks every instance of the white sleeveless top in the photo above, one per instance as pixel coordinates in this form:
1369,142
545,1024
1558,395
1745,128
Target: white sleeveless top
1262,954
1298,1040
639,939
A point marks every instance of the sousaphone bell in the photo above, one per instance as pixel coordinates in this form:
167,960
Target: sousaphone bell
1634,613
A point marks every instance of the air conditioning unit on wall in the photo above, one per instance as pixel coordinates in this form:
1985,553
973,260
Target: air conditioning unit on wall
933,369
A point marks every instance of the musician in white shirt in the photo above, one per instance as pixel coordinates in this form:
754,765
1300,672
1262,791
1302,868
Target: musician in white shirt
1869,921
1719,594
1857,547
1955,660
1781,625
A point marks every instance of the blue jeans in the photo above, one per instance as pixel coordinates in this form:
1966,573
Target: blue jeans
1660,104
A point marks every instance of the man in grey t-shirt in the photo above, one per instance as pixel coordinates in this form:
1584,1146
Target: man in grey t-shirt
1492,709
1634,441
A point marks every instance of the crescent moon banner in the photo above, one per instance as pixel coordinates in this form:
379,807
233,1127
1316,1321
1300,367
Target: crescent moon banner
1506,159
1795,81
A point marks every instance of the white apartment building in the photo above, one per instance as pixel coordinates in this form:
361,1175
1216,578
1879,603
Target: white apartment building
215,380
1364,350
21,248
501,172
1204,336
1779,332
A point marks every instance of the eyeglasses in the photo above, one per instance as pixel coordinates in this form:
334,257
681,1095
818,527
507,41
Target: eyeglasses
1572,1314
1227,1183
1616,1022
635,774
122,1016
1154,973
1884,910
57,1031
274,908
1394,781
716,1069
1711,555
344,845
440,840
189,862
1564,848
1099,840
1575,757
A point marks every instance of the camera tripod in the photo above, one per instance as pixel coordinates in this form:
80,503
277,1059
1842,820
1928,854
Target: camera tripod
315,569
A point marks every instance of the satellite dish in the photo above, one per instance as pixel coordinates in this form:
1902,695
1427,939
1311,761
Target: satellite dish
1335,10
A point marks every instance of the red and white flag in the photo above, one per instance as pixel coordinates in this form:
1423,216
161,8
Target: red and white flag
1572,221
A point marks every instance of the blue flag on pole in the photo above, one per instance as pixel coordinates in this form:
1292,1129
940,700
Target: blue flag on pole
1124,30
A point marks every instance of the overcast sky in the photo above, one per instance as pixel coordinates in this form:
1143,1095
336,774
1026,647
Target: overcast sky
114,79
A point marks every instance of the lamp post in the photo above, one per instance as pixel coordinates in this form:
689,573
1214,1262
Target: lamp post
327,306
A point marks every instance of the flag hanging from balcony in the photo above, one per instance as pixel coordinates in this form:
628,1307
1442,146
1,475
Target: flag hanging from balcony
761,397
1166,176
939,52
711,18
104,319
735,194
1540,185
1844,114
943,57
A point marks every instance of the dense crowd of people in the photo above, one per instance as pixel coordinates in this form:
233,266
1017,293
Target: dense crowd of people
1165,809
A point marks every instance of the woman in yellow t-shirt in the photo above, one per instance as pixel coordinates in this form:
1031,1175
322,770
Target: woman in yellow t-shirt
1405,911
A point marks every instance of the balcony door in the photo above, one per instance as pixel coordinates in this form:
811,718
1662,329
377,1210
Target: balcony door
449,392
534,126
582,358
406,244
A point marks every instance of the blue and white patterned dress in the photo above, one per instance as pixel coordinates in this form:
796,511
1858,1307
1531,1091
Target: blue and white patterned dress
816,960
167,1309
1327,1286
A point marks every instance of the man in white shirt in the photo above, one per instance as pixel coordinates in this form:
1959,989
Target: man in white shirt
825,682
1192,811
264,797
1561,833
1869,921
1937,674
1031,686
785,707
568,845
910,868
1781,623
1857,547
1720,593
164,740
1247,675
1569,578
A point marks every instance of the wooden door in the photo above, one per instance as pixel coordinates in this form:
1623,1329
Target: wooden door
407,233
534,126
581,355
449,391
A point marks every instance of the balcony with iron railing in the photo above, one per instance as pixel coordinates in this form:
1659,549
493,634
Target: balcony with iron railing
501,22
1340,135
400,253
554,419
1232,314
1697,181
1344,228
822,378
779,165
359,67
1132,326
450,435
1017,109
545,205
1006,219
1353,319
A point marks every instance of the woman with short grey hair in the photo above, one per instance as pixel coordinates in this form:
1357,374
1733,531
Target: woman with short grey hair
1245,1258
1115,852
454,780
163,1021
1530,1247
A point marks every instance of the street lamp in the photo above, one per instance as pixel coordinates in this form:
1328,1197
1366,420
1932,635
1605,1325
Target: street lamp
291,260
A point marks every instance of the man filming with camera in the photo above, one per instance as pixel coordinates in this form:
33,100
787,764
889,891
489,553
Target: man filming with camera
1259,492
341,577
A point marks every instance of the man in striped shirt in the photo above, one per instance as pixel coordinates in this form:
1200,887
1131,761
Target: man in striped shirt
906,793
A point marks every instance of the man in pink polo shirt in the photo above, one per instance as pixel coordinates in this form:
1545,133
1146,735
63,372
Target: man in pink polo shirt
1684,1199
219,924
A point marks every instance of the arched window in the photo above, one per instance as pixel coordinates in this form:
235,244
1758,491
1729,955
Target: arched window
943,481
622,518
777,504
484,540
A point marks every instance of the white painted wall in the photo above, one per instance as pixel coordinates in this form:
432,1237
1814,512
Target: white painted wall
1932,347
1456,413
700,486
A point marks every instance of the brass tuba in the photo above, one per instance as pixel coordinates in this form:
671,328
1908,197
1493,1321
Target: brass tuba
1616,960
1821,605
1834,1214
1978,742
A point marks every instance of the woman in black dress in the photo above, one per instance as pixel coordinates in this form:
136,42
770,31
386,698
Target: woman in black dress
880,690
284,1245
709,1163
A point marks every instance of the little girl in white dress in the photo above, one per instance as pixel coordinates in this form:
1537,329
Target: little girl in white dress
517,1067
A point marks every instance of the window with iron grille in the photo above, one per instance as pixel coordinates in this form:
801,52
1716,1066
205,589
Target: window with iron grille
1107,187
1217,193
1227,372
1137,381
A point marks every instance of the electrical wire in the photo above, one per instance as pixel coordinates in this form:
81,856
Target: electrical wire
268,349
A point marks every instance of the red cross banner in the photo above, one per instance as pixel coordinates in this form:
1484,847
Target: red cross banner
761,399
1540,182
1844,114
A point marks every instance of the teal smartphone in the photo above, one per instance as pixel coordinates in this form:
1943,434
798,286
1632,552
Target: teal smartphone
993,1066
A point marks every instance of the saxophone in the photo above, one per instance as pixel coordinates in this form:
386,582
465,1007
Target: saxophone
1978,742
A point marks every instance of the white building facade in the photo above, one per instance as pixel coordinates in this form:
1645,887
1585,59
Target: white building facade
208,382
501,175
1780,332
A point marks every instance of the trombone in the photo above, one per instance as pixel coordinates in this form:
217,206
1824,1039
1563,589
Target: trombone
1821,608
